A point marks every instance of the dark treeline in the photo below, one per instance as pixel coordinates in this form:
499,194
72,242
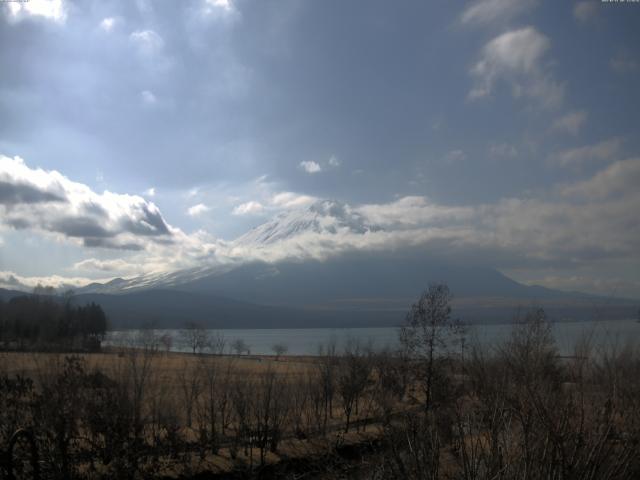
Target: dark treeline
438,408
43,321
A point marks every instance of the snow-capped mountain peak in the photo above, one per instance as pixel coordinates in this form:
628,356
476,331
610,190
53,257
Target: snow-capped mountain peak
322,217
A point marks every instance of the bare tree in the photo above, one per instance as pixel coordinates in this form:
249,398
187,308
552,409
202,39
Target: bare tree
327,368
195,336
167,341
239,346
279,349
217,343
190,382
353,376
269,412
427,334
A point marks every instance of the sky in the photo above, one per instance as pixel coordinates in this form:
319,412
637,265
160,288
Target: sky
140,136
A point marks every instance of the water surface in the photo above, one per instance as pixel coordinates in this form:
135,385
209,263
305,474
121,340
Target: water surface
603,334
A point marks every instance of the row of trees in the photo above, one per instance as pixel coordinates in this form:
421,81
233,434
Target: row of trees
47,321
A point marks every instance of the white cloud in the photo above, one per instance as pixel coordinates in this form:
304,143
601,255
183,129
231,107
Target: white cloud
586,10
292,200
13,281
333,161
516,58
197,210
107,24
148,42
222,4
148,97
54,10
116,265
248,208
412,211
150,192
604,150
483,12
49,202
571,122
310,166
218,10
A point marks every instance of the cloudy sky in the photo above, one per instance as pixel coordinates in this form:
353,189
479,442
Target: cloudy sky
140,136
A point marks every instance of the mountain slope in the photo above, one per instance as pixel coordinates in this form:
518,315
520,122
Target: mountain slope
350,287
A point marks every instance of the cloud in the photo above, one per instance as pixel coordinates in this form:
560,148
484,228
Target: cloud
221,4
49,202
484,12
13,281
310,166
148,42
17,193
150,192
624,62
115,265
248,208
148,97
578,223
107,24
54,10
412,211
333,161
617,179
585,283
454,156
197,210
571,122
593,219
292,200
604,150
516,58
585,10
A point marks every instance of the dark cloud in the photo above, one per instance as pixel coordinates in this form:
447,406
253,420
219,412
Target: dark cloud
15,193
150,223
110,244
80,227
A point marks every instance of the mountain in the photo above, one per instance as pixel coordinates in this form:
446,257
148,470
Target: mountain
347,288
358,290
324,216
6,295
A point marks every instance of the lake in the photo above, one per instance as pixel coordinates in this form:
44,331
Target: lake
307,341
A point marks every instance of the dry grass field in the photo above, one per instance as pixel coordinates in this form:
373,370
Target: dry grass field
171,364
519,411
211,413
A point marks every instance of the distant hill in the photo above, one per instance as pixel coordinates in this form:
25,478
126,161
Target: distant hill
7,295
359,291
